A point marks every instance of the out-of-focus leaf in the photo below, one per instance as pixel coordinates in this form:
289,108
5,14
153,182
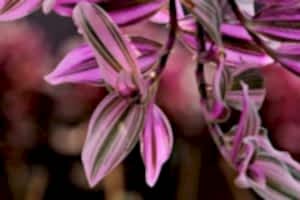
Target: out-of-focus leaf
63,7
239,48
78,66
257,92
149,51
122,12
271,173
249,124
276,2
163,15
278,29
133,11
214,107
15,9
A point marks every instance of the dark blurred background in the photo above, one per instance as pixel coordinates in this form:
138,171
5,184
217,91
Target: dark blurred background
42,129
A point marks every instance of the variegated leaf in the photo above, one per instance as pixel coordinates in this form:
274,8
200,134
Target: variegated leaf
239,48
114,130
209,14
113,51
214,107
133,11
271,173
156,143
148,52
78,66
249,124
15,9
277,28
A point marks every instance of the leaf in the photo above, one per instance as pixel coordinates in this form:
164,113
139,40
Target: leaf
257,92
16,9
114,129
214,107
276,2
130,12
149,51
156,143
239,48
122,12
63,7
113,51
78,66
163,15
277,28
271,173
249,124
209,14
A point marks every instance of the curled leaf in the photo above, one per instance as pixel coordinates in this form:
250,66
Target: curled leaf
271,173
249,124
209,14
214,107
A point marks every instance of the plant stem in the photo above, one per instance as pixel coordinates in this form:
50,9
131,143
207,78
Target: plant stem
171,40
200,66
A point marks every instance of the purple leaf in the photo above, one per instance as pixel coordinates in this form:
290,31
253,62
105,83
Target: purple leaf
163,16
15,9
249,123
271,173
286,13
122,12
63,7
276,2
112,50
239,48
156,143
277,29
78,66
114,130
129,12
149,52
214,108
209,14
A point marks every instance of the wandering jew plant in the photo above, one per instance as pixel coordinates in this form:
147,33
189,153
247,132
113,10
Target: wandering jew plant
230,41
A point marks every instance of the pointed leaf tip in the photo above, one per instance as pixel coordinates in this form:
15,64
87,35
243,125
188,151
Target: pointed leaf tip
78,66
113,131
113,51
156,143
